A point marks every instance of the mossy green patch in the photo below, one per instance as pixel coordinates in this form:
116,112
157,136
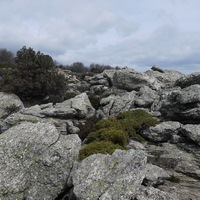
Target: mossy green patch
114,132
109,134
111,122
133,121
104,147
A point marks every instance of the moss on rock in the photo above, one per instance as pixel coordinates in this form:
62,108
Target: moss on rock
114,132
109,134
104,147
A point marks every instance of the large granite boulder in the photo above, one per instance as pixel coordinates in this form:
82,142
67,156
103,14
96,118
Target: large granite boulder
9,103
116,176
131,80
181,104
188,80
17,118
36,161
97,79
171,157
163,132
192,132
146,97
167,78
155,175
112,104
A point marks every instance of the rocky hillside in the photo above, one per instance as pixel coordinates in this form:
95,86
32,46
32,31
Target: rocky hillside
39,145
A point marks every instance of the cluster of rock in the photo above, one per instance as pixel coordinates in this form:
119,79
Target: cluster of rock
39,145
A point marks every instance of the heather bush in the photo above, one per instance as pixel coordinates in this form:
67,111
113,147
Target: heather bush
109,134
117,131
34,77
104,147
111,122
133,122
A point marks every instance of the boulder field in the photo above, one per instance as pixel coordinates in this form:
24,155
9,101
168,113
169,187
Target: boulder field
39,145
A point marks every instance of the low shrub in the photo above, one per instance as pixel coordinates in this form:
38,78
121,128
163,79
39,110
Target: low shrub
114,132
111,122
109,134
138,118
87,127
104,147
134,121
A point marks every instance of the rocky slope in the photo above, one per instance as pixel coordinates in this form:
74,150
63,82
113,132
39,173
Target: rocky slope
39,145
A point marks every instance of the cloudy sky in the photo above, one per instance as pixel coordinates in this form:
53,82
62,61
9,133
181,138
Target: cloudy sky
133,33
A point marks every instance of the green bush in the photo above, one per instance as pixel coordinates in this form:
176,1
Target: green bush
108,134
116,131
104,147
111,122
87,127
138,118
34,77
133,121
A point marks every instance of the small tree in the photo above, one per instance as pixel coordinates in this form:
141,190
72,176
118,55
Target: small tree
34,77
6,57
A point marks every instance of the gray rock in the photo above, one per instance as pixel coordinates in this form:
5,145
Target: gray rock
187,80
130,80
33,110
181,104
35,161
98,89
170,157
17,118
167,78
186,188
9,103
116,176
109,75
189,95
82,105
112,105
150,193
133,144
155,175
97,79
192,132
71,129
79,107
146,97
61,110
162,132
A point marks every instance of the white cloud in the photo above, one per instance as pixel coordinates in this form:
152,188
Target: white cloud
133,33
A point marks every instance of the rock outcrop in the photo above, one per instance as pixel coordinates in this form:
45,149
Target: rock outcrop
36,161
39,145
131,80
9,103
104,177
188,80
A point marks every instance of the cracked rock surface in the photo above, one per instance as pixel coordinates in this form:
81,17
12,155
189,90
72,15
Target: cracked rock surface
35,161
117,176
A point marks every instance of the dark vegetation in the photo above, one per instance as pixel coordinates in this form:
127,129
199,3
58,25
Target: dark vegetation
80,68
32,76
35,78
103,147
115,132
